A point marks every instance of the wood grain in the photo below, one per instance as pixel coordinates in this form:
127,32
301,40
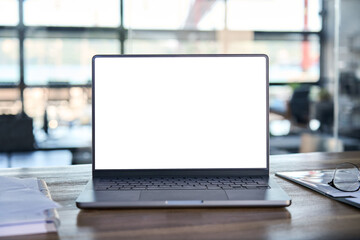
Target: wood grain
311,215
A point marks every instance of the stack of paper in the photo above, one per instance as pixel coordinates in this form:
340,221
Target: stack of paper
318,180
26,207
350,196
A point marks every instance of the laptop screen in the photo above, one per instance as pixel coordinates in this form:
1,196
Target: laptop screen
180,112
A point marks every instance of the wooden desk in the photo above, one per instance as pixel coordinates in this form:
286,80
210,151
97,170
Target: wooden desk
311,215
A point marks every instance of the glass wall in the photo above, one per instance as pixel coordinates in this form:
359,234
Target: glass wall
63,61
45,53
87,13
233,26
274,15
9,61
9,10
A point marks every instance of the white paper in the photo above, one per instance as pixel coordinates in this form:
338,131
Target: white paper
30,228
12,183
355,200
319,180
21,199
333,191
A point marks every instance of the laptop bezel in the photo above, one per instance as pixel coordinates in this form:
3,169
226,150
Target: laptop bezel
180,172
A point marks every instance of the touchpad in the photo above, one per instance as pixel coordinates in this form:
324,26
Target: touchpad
165,195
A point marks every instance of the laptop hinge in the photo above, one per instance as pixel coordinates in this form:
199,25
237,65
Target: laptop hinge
181,173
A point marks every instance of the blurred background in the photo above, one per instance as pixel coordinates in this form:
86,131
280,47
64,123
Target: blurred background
45,66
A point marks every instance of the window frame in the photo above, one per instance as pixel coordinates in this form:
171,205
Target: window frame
121,34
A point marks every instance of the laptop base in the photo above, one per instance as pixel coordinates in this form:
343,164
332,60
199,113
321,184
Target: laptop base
271,197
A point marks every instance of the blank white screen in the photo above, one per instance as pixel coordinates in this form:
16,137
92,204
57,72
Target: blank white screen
180,112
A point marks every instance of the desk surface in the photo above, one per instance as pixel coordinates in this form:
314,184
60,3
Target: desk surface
311,215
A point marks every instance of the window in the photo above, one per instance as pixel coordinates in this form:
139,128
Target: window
232,26
290,61
63,61
9,61
273,15
59,37
9,12
72,13
175,14
170,46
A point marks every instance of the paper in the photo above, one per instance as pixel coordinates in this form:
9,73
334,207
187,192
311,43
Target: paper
21,197
355,200
334,192
346,194
12,183
319,179
22,207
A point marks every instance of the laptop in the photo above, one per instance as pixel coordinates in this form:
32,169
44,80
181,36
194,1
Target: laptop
180,131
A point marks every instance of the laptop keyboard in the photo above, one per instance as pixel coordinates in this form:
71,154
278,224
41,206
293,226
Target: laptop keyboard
181,183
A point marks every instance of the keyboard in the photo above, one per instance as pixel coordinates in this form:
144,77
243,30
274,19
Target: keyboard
181,183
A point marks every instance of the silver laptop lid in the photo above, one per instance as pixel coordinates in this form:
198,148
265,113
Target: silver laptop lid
180,113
